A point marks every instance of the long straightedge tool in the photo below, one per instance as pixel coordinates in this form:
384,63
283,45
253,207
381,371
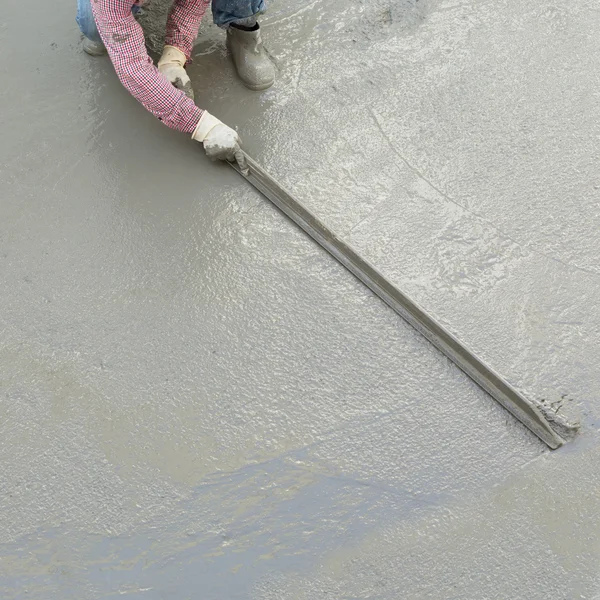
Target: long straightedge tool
490,381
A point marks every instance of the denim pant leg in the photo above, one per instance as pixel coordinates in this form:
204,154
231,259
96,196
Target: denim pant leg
86,22
228,11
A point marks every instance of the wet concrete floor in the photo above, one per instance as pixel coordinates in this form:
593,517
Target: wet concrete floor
197,402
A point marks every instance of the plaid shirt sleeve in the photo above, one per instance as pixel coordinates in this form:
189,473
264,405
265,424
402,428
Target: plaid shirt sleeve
183,23
124,40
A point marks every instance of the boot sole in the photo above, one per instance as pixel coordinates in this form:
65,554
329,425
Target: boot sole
94,52
258,88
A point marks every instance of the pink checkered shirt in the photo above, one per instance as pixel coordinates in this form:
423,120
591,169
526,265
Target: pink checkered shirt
124,40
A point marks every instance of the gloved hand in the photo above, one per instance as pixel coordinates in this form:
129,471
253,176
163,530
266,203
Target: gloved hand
171,65
220,142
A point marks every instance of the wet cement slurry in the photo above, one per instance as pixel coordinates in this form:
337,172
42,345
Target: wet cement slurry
197,402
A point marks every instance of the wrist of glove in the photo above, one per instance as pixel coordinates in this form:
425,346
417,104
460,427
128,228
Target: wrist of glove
220,141
172,66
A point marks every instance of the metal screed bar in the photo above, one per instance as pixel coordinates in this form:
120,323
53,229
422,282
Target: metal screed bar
411,312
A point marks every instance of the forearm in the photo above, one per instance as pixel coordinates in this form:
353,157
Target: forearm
183,23
124,40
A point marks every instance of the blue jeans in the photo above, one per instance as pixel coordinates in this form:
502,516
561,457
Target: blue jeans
224,13
227,11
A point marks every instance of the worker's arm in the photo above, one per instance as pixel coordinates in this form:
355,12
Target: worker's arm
183,23
124,40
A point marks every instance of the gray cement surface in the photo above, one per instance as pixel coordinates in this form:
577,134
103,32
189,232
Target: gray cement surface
197,402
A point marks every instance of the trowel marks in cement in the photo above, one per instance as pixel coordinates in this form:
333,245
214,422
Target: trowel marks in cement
159,325
411,312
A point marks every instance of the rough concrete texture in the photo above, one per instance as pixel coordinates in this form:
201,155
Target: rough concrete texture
152,16
197,402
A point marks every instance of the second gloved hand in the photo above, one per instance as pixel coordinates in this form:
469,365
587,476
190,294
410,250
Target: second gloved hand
171,65
220,141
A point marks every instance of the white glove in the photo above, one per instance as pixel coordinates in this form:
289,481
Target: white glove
220,142
171,65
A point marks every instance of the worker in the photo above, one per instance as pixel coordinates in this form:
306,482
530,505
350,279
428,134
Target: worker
166,90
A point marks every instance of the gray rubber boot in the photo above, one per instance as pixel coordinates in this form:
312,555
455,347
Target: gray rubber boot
93,48
250,58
